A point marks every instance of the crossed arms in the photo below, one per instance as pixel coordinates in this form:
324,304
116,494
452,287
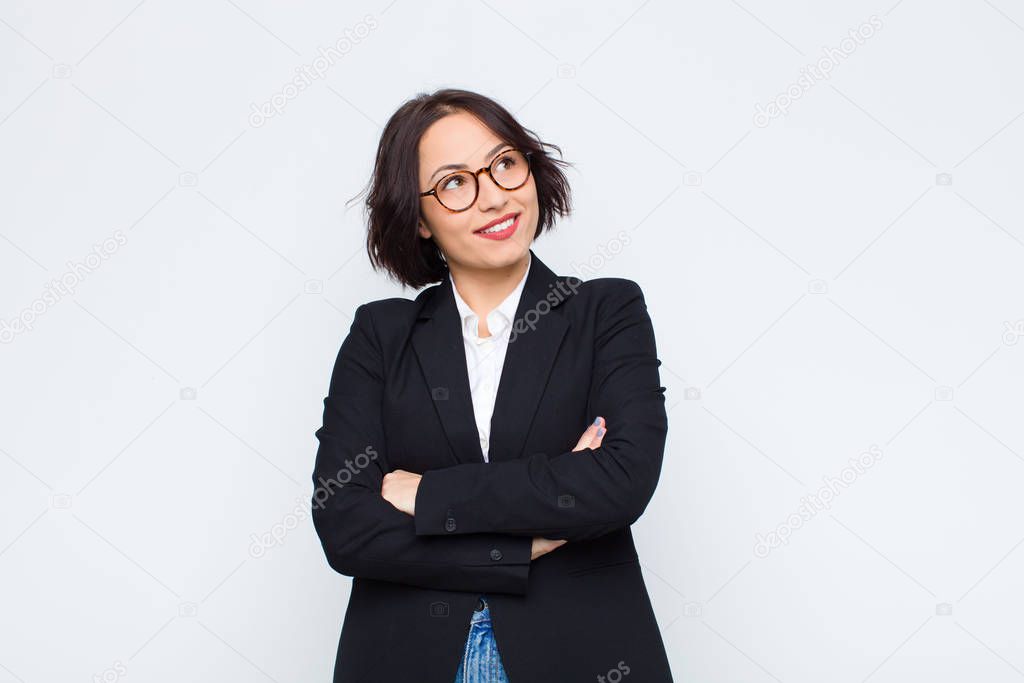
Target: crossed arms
498,506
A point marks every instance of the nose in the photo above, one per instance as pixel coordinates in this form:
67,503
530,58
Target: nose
491,196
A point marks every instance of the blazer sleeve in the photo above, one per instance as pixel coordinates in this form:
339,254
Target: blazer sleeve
362,534
573,495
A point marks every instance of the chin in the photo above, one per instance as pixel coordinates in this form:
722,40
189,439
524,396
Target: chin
503,257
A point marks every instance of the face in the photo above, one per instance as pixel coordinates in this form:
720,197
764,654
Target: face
461,139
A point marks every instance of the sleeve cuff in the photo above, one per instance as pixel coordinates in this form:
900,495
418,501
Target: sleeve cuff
433,515
510,558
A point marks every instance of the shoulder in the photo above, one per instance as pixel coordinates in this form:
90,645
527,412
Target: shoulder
385,317
607,292
609,286
392,307
392,317
609,306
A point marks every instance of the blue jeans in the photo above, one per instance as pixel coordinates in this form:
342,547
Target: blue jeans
480,660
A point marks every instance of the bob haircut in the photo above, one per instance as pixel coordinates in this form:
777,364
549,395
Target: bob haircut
393,202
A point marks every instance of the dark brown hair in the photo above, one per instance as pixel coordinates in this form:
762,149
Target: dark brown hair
393,201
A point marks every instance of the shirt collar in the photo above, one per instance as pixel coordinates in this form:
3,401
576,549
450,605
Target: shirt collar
500,318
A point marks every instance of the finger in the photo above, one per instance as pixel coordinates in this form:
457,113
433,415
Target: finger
598,438
548,544
589,434
585,439
554,545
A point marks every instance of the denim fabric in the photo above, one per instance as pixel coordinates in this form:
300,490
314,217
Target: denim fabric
480,660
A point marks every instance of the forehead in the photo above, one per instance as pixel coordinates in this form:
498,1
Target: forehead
458,138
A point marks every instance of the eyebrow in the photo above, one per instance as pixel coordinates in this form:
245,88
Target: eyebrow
449,167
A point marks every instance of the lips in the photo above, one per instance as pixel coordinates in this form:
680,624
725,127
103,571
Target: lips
502,234
496,222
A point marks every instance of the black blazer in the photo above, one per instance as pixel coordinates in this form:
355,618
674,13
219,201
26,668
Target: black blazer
399,398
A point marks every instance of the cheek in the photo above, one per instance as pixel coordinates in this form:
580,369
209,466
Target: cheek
529,196
447,226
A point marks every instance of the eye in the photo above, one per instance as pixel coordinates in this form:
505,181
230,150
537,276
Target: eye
506,162
453,182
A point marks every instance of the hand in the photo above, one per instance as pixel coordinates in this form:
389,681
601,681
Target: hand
593,435
542,546
591,438
399,488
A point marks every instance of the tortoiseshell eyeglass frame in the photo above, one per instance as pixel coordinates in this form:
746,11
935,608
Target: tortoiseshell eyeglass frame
476,182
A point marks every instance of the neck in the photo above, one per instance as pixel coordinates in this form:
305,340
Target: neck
484,288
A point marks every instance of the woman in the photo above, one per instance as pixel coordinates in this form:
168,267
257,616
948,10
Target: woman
482,548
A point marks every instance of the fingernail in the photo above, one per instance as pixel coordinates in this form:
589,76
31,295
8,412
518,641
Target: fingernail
600,432
597,422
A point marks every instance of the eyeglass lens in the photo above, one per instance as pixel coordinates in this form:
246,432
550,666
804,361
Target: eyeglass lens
458,190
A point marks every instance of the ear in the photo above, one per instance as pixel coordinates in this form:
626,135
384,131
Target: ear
424,231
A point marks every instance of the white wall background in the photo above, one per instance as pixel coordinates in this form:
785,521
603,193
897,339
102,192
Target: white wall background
847,276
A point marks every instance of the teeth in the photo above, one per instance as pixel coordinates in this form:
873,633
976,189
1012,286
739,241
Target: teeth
500,226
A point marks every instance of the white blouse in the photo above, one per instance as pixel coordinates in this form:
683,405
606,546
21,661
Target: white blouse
485,356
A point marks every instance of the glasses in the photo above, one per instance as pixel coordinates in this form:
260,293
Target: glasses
458,191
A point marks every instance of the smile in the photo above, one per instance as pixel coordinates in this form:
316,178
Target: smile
500,231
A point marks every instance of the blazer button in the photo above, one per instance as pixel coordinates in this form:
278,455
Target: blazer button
495,554
449,524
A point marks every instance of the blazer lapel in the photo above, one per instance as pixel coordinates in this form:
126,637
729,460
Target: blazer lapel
536,336
437,340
